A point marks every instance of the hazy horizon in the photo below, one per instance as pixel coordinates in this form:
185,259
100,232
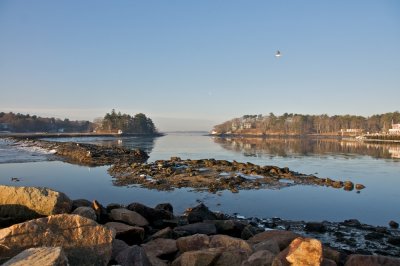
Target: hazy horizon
191,65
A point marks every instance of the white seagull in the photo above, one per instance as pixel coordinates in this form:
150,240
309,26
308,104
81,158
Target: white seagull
278,54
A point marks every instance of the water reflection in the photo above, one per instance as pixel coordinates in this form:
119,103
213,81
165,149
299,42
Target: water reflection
292,147
143,143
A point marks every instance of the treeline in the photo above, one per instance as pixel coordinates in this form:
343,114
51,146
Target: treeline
138,124
21,123
307,124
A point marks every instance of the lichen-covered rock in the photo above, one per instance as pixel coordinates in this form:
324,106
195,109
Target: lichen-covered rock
83,240
25,203
305,251
43,256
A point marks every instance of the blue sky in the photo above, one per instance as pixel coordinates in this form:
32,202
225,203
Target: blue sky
193,64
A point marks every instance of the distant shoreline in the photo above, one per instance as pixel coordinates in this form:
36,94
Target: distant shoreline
32,135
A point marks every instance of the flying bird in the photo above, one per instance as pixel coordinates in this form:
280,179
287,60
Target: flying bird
278,54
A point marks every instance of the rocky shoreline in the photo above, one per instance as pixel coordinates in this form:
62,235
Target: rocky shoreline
39,224
84,154
216,175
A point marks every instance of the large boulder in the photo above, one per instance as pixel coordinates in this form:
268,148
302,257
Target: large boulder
25,203
305,251
133,256
150,214
197,228
130,234
43,256
160,247
260,258
87,212
202,257
281,237
194,242
129,217
376,260
199,214
84,241
229,242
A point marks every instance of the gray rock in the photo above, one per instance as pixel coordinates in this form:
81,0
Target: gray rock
232,257
281,237
160,246
130,234
375,260
87,212
43,256
129,217
270,245
117,247
200,213
197,228
83,240
25,203
133,256
260,258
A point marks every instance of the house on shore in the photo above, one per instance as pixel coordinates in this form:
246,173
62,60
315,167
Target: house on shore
395,130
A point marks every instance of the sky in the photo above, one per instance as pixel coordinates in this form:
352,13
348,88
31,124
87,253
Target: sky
189,65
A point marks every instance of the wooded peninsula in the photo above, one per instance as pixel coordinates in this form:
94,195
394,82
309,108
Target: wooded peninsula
298,124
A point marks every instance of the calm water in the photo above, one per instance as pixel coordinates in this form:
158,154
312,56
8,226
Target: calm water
375,166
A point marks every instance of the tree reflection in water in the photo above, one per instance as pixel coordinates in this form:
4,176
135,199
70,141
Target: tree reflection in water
292,147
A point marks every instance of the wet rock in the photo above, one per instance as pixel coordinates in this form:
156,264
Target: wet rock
393,224
374,236
250,231
199,214
315,227
229,242
133,256
282,238
43,256
129,217
260,258
197,228
130,234
394,240
165,206
305,251
194,242
87,212
365,260
202,257
83,240
352,223
113,206
25,203
150,214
